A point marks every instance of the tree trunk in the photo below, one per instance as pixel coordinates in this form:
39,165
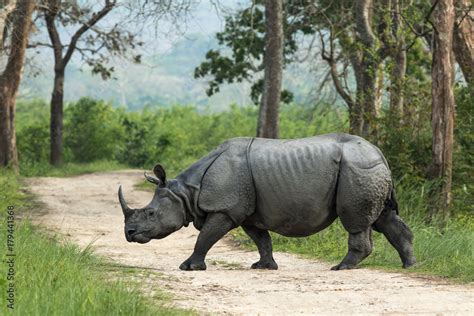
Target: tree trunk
273,61
56,123
356,112
442,106
397,81
399,60
379,90
10,81
366,72
366,99
464,39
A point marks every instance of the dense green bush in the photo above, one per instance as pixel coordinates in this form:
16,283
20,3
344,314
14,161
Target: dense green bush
92,131
176,137
32,123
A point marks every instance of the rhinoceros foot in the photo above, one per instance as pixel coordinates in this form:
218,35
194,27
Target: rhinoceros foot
189,265
343,266
270,265
409,263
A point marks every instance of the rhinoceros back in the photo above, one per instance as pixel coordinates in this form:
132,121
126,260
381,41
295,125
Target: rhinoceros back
295,182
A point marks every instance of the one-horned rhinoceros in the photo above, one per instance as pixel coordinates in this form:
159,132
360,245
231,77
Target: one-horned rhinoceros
292,187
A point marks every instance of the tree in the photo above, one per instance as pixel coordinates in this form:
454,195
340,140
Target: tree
366,65
89,41
442,119
399,60
363,39
273,60
244,36
464,38
20,22
334,21
356,40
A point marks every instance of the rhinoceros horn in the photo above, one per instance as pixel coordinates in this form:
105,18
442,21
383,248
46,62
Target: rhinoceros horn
126,210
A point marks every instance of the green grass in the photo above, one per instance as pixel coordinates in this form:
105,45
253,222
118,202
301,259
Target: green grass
446,252
145,186
54,277
68,169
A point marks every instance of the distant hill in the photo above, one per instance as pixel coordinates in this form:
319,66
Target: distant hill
163,80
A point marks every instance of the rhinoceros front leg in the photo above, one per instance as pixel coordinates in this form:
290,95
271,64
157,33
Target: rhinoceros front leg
215,227
264,244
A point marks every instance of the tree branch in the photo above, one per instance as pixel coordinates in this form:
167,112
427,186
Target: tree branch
39,44
466,14
51,12
333,69
363,10
109,5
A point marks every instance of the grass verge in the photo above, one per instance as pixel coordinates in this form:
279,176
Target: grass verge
447,252
69,169
52,278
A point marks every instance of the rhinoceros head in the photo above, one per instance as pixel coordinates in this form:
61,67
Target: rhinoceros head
164,215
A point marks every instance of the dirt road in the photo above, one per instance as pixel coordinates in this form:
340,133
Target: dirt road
85,208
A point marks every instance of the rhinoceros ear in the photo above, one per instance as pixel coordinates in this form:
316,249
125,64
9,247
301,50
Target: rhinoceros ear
160,173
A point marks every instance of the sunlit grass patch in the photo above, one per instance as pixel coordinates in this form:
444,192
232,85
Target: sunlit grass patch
444,252
59,278
44,169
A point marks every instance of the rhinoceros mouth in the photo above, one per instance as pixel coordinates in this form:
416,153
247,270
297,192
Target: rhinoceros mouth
161,236
139,238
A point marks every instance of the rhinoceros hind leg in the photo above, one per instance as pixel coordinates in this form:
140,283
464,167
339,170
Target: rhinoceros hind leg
215,227
263,241
360,246
398,234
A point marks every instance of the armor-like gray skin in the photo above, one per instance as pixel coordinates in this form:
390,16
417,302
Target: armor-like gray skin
292,187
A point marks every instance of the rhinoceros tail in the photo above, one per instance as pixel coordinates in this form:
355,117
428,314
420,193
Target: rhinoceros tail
391,202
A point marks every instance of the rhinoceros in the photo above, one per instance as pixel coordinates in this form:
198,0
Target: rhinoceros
293,187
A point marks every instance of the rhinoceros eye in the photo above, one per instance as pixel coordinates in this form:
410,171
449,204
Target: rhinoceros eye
151,213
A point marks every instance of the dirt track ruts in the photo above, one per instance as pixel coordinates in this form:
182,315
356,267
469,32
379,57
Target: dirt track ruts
85,209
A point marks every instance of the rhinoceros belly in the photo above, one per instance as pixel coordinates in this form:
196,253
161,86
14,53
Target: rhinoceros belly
295,183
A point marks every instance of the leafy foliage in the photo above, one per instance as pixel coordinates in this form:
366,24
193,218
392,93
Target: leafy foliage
244,36
92,131
94,41
176,137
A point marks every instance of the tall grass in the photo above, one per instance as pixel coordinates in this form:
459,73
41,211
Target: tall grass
445,252
53,278
44,169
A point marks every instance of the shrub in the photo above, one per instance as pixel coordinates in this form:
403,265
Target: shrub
92,131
